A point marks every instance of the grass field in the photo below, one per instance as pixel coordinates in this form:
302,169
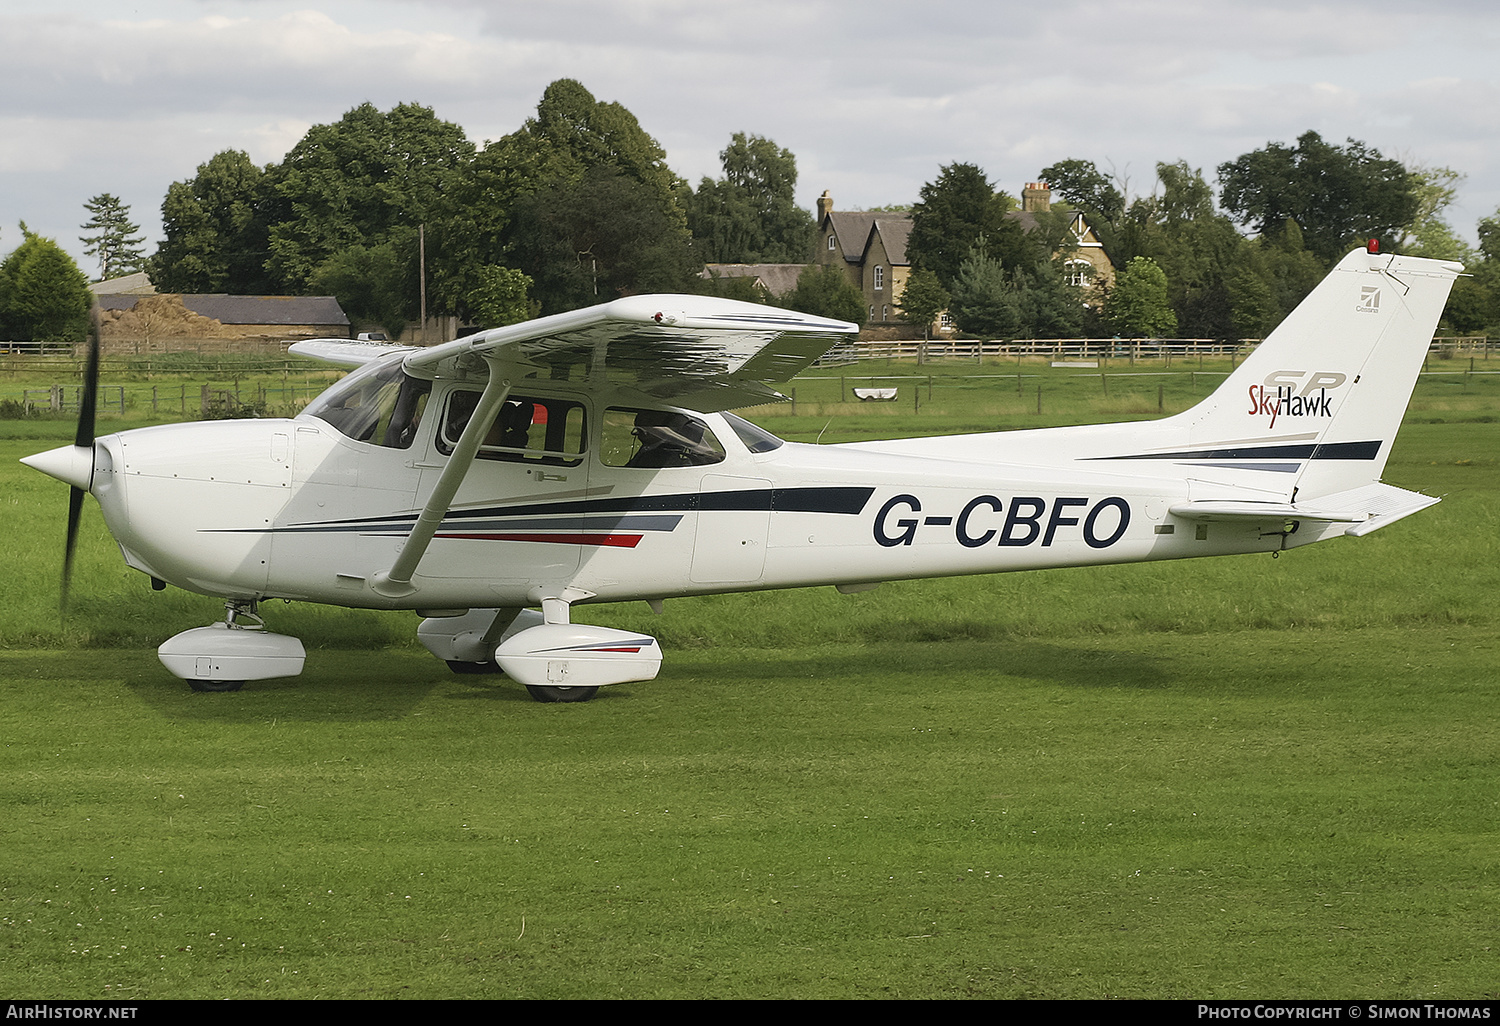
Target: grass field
1228,778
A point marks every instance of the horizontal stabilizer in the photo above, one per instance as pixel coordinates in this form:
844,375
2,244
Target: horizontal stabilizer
1366,509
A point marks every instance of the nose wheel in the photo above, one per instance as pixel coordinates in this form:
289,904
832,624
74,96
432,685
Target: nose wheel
551,693
221,657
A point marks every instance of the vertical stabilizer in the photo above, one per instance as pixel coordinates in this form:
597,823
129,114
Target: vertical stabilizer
1316,407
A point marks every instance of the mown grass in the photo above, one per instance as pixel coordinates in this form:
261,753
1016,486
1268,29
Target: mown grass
1227,778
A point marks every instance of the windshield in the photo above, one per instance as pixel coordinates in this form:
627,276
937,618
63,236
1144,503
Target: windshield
378,403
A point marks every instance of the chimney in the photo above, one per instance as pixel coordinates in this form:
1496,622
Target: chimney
825,206
1036,198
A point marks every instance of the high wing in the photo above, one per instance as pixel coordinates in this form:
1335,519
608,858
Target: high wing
701,352
346,352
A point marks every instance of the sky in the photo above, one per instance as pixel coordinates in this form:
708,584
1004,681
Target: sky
873,98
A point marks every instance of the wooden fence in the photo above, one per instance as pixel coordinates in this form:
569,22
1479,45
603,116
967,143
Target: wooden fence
915,350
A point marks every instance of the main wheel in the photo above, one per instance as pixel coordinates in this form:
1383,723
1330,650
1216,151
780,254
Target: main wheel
216,685
552,693
460,667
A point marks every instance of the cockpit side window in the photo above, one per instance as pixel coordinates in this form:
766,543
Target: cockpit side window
755,437
657,439
379,403
528,429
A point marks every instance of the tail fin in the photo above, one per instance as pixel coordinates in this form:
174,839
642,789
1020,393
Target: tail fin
1316,407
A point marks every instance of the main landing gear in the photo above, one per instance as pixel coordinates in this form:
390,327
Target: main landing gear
556,660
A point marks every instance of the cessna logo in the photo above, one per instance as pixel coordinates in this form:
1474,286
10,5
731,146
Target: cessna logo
1369,299
1022,520
1280,396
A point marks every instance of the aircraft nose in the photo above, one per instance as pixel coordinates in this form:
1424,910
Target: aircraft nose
72,464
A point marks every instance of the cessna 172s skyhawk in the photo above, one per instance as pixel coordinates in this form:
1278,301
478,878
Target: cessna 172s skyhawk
495,482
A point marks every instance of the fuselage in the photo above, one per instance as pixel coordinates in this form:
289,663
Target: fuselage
577,500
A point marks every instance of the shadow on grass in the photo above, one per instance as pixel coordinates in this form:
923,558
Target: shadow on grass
370,685
939,664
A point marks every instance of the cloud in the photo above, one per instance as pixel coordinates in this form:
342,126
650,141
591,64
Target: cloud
872,99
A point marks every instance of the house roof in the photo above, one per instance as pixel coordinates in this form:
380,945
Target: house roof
270,310
137,284
894,230
855,227
777,279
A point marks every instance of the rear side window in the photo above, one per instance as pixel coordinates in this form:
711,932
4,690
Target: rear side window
656,439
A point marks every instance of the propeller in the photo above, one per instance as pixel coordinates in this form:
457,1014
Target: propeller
82,439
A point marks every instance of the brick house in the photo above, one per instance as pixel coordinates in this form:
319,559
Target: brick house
871,247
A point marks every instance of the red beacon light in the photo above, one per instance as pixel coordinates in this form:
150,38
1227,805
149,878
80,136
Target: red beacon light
1373,247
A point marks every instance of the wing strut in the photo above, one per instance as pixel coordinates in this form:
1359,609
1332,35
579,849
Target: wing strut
396,582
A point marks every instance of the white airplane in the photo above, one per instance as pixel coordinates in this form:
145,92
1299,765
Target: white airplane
495,482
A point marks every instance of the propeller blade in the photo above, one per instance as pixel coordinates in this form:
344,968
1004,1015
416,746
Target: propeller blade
75,513
83,438
88,400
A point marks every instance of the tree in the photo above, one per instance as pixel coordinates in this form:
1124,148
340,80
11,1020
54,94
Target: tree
984,297
597,239
369,179
215,230
1339,195
1138,306
115,241
1080,183
922,300
43,294
956,212
499,297
826,292
1429,235
371,283
750,216
522,204
571,134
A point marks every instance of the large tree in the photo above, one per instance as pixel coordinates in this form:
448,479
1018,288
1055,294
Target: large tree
604,236
959,211
371,284
750,216
369,179
1338,195
116,240
215,230
501,214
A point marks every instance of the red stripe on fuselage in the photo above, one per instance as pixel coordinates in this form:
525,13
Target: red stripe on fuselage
618,541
